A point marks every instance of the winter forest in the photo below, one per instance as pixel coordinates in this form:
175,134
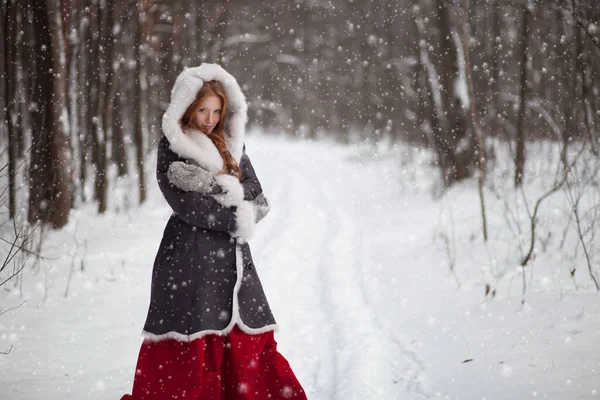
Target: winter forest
432,166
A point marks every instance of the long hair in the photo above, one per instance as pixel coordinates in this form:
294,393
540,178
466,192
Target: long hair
217,136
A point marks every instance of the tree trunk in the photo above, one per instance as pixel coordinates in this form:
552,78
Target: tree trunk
61,157
10,105
495,70
84,125
50,188
521,136
312,75
119,149
94,93
25,58
455,149
138,136
74,46
105,106
480,156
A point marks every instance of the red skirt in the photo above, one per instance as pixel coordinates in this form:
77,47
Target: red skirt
233,367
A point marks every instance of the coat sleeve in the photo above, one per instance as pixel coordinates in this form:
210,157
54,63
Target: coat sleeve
250,182
191,207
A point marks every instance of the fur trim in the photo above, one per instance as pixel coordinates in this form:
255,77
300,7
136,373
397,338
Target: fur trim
255,331
261,207
208,156
245,221
235,317
233,191
198,146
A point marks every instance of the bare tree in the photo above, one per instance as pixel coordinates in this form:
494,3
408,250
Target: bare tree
479,155
453,144
10,105
105,106
138,136
521,136
49,198
579,188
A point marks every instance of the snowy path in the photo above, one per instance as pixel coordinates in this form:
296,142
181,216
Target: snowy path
362,295
363,352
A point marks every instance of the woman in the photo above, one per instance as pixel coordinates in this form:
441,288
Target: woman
209,329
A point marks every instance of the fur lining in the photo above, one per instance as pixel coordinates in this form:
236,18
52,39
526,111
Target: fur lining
244,218
209,157
261,207
235,317
233,191
198,146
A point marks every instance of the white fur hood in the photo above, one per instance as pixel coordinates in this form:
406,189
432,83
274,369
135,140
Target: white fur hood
195,145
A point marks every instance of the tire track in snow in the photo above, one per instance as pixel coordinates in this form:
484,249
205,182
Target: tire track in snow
324,376
293,244
363,348
412,372
357,349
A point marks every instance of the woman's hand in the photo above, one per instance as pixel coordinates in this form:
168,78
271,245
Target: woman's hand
192,178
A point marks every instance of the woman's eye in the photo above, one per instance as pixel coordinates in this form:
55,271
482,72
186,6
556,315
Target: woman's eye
218,111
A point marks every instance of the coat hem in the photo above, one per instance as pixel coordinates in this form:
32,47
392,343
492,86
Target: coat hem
235,319
188,338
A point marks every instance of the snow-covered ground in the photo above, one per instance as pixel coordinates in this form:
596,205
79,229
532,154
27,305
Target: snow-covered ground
355,260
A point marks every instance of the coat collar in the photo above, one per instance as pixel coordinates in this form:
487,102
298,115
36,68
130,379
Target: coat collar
195,145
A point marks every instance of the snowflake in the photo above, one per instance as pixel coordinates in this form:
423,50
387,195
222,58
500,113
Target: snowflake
243,388
223,315
287,392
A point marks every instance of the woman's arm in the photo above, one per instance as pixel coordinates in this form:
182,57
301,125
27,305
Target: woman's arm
192,207
250,182
235,191
226,189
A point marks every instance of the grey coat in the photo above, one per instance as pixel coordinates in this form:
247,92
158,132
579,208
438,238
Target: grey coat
204,280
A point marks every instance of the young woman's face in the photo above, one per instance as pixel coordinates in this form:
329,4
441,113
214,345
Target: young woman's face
208,113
